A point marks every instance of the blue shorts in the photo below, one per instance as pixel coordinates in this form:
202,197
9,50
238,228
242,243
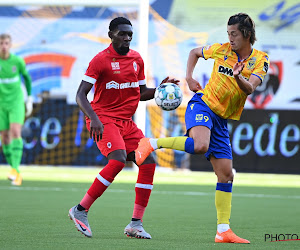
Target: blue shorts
199,114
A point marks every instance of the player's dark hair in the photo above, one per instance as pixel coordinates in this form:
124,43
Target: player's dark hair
246,25
117,21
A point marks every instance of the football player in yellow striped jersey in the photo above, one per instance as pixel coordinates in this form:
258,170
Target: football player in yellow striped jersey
238,70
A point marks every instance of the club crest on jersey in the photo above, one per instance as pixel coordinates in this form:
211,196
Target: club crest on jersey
14,69
135,66
115,65
251,63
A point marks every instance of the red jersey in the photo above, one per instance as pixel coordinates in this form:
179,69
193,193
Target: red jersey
117,79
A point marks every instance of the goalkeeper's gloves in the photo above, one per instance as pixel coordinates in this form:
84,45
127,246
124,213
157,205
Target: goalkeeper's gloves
29,105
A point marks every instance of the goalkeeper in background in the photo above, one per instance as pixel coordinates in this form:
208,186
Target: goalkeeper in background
12,108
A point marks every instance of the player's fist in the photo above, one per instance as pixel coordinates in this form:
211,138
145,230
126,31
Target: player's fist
29,106
193,84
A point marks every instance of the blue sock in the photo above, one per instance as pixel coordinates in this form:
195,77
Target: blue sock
189,145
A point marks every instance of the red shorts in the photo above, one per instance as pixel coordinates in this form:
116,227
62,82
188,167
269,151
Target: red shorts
118,134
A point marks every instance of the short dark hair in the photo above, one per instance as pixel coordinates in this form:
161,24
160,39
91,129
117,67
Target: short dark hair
246,25
117,21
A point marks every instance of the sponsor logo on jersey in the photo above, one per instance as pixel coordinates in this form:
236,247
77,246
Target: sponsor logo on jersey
266,67
135,66
125,85
200,117
115,65
10,80
225,71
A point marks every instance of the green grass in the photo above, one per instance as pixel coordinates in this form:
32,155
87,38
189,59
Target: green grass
181,212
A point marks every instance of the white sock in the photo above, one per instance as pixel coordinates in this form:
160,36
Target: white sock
153,143
223,227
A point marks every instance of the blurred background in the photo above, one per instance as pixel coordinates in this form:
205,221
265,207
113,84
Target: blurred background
58,41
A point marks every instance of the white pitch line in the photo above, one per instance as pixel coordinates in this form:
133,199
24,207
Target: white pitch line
187,193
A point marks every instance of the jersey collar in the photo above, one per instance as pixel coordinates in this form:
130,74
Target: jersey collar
238,56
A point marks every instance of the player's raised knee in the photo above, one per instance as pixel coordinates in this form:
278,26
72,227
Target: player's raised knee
201,148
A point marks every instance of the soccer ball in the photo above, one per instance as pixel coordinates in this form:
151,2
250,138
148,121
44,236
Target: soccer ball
168,96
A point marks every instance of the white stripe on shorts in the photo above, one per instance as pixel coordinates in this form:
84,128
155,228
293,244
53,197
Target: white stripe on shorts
105,182
144,186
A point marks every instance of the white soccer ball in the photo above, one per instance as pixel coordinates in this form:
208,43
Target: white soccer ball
168,96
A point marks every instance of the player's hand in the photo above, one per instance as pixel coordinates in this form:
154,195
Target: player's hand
29,106
193,84
96,129
238,68
167,79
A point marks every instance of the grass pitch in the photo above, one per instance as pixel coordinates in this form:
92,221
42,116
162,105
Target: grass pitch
180,215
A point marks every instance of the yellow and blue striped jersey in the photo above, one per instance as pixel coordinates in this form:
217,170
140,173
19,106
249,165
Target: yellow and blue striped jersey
222,93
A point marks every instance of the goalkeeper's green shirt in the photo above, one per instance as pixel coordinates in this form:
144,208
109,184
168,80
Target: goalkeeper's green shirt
11,92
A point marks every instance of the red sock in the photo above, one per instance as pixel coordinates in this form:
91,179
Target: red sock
101,183
143,189
138,211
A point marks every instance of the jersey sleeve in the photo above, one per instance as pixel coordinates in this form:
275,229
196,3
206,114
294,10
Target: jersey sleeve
209,51
93,71
261,68
26,76
141,75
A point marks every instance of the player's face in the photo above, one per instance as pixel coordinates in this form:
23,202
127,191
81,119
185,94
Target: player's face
121,38
236,39
5,45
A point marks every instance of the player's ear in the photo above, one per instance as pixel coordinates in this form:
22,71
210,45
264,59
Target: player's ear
110,34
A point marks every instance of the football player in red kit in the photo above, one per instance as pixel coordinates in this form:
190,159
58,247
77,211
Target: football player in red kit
118,76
